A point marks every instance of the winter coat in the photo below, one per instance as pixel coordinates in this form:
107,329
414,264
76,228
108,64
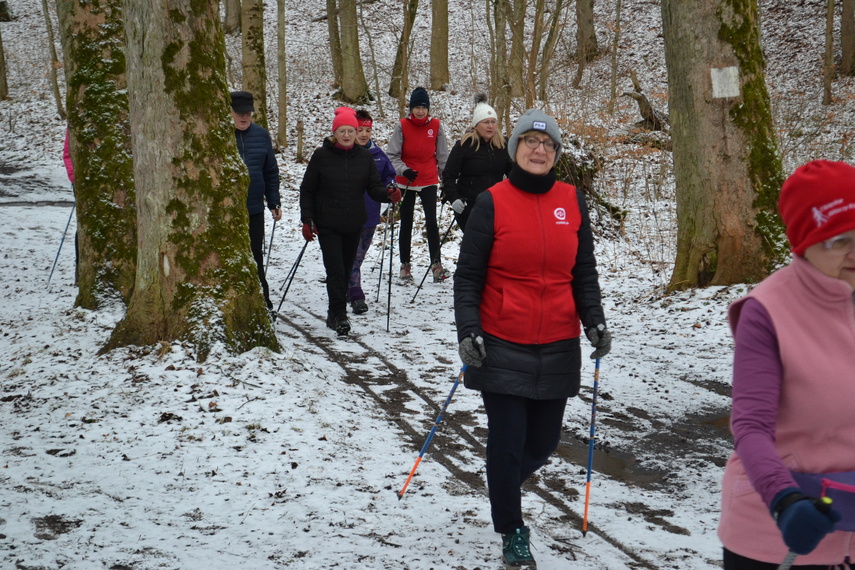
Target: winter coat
420,146
256,150
813,319
387,177
524,293
469,170
334,185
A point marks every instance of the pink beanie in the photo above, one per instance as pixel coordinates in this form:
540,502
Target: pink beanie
817,202
344,116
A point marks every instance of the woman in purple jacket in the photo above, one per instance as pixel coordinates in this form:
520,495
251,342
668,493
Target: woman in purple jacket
793,389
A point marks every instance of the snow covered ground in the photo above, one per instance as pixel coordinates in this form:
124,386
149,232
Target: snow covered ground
144,458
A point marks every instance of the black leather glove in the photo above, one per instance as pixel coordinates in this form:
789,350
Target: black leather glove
472,350
803,521
410,174
601,339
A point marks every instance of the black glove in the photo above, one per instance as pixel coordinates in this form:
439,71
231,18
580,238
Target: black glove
472,350
803,521
601,339
410,174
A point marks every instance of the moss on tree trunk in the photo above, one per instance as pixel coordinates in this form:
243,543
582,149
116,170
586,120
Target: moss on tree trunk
196,278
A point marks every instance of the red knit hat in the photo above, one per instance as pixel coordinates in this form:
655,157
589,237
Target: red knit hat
344,116
817,203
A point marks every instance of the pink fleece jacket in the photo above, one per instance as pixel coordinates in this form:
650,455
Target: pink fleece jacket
814,321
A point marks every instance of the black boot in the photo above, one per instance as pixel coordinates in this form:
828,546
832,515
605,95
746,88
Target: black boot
339,323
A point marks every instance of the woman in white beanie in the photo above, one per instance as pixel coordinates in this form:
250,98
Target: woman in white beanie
525,288
477,161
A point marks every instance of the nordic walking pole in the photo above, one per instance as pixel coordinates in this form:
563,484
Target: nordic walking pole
391,257
591,446
788,561
290,278
445,235
432,431
70,214
269,247
389,220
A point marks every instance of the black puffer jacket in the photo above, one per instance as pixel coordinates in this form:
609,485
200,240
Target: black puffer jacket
332,193
536,371
470,171
256,150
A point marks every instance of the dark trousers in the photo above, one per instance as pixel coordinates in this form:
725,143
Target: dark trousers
256,244
354,288
408,203
522,434
733,561
463,217
339,251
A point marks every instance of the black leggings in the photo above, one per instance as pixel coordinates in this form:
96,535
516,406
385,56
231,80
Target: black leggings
733,561
408,204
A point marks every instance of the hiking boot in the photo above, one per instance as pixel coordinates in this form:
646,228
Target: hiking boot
359,306
406,272
439,272
515,550
339,323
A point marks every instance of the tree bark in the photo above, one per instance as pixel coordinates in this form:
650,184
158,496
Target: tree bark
252,57
399,83
232,20
828,60
726,161
4,85
439,76
282,79
500,89
555,27
847,37
54,62
196,280
354,87
533,52
94,59
335,42
515,16
615,44
587,48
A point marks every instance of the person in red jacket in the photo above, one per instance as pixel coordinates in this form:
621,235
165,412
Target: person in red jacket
526,276
332,206
418,151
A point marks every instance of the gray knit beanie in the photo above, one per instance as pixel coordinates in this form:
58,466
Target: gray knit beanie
534,120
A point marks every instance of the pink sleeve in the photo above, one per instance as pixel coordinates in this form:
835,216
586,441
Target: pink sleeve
66,158
757,377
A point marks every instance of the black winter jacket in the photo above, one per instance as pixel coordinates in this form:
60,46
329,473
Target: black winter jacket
470,171
256,150
332,193
540,372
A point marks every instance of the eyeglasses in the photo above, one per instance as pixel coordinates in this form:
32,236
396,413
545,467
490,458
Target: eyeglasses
840,245
533,142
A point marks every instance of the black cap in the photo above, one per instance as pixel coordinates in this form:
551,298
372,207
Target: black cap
419,98
242,101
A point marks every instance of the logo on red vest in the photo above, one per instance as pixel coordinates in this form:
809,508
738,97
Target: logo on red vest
430,133
561,216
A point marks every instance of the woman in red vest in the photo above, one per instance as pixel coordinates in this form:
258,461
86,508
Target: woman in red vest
526,283
418,151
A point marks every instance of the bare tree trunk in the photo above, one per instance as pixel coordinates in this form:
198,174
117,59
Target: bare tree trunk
587,48
252,57
232,20
54,62
828,74
615,44
533,52
368,35
196,279
354,87
555,26
847,37
282,79
97,100
500,90
335,42
726,161
4,85
439,75
399,83
515,16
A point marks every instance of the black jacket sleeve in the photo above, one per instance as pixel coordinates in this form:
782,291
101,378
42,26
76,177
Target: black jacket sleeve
471,270
452,173
586,285
309,187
